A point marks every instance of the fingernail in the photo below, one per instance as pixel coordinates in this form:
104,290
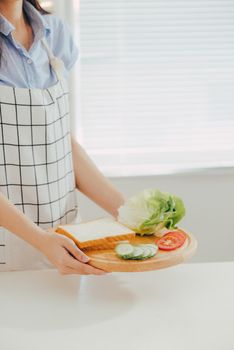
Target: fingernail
85,259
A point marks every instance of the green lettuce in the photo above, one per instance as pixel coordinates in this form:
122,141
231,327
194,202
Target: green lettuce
150,211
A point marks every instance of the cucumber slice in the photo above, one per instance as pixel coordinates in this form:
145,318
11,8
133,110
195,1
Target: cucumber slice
124,250
154,250
137,253
147,253
150,245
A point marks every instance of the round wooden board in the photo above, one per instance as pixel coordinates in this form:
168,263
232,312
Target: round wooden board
107,259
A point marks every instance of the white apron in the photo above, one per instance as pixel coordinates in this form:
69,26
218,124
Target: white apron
36,169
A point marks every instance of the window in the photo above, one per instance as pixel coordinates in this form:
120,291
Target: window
156,85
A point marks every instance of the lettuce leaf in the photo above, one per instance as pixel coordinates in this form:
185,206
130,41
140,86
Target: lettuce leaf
150,211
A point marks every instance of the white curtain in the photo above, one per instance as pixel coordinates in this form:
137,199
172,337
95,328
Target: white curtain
157,84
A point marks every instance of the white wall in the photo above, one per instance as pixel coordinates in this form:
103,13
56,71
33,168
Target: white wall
209,200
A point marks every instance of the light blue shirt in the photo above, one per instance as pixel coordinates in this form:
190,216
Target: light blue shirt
31,69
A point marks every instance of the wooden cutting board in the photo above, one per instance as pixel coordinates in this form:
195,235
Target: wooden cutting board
107,259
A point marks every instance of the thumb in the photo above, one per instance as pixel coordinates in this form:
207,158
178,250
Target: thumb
75,251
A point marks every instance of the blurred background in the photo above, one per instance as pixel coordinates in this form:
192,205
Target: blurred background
152,100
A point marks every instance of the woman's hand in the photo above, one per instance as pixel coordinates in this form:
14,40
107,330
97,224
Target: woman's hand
63,253
60,250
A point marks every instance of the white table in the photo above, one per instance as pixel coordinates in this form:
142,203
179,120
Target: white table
186,307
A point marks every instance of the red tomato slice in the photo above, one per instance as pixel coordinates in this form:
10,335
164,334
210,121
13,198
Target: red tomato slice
171,240
179,233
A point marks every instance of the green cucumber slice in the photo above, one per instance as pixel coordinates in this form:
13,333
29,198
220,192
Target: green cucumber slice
137,253
150,245
151,248
147,253
128,251
124,250
154,250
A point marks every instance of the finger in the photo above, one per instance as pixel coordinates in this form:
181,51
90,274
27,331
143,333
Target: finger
83,268
90,270
75,251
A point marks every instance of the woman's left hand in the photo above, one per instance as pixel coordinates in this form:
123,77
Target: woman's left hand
63,253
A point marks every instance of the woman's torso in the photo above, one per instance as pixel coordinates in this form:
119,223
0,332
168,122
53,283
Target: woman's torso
31,69
36,170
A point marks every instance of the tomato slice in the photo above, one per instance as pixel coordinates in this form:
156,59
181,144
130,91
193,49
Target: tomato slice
179,233
171,240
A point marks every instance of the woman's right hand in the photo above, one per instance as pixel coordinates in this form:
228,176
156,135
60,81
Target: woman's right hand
63,253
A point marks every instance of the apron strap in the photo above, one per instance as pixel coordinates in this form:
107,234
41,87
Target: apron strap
55,62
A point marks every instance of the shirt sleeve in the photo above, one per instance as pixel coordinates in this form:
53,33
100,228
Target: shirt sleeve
70,51
62,42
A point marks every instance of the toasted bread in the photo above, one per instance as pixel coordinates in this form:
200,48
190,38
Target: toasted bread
103,232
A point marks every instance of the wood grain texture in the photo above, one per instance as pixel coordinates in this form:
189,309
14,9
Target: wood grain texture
107,259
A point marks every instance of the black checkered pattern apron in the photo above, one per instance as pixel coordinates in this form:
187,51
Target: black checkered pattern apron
36,168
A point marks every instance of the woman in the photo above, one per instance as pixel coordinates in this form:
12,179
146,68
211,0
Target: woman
41,164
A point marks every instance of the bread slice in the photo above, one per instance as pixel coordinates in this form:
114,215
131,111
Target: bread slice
102,232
